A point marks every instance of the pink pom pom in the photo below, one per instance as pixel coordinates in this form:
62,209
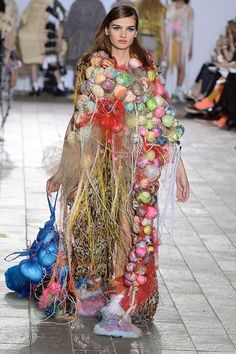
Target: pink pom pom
141,279
142,162
54,288
159,112
141,251
157,132
151,212
143,131
44,300
135,63
159,89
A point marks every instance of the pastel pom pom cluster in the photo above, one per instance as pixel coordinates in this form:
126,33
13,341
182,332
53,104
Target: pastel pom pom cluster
140,92
145,212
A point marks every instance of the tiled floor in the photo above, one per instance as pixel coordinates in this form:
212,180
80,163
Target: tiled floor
197,276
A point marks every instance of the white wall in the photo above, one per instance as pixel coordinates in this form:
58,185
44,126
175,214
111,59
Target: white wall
209,21
210,17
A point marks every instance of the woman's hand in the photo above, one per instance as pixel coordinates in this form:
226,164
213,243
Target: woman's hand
182,184
52,185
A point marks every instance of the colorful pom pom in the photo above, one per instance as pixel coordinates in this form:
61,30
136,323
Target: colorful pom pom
152,212
97,91
130,97
143,131
152,172
179,130
129,107
108,85
120,92
141,279
150,137
161,140
124,79
134,63
159,112
168,120
151,104
159,88
149,124
150,155
88,72
151,75
96,60
110,73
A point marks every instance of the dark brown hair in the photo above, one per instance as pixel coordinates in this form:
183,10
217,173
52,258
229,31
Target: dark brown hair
102,41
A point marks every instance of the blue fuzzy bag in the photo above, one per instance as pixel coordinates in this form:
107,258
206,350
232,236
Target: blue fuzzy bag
16,282
41,257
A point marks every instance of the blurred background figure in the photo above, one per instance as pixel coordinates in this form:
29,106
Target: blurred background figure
152,27
8,29
55,51
8,58
179,41
82,22
33,36
11,12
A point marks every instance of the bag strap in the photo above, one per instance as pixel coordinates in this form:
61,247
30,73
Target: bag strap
52,208
28,252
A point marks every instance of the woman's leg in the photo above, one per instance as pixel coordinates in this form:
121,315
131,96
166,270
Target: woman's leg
34,79
180,75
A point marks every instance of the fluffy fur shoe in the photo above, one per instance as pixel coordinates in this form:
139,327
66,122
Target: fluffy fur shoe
115,322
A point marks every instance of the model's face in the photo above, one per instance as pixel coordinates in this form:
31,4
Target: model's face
122,32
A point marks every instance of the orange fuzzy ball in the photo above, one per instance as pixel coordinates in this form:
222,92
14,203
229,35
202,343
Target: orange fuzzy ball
120,92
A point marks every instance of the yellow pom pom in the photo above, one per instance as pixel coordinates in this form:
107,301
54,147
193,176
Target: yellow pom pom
98,91
151,75
89,72
150,137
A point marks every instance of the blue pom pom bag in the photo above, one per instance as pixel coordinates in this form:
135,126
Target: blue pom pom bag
41,257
